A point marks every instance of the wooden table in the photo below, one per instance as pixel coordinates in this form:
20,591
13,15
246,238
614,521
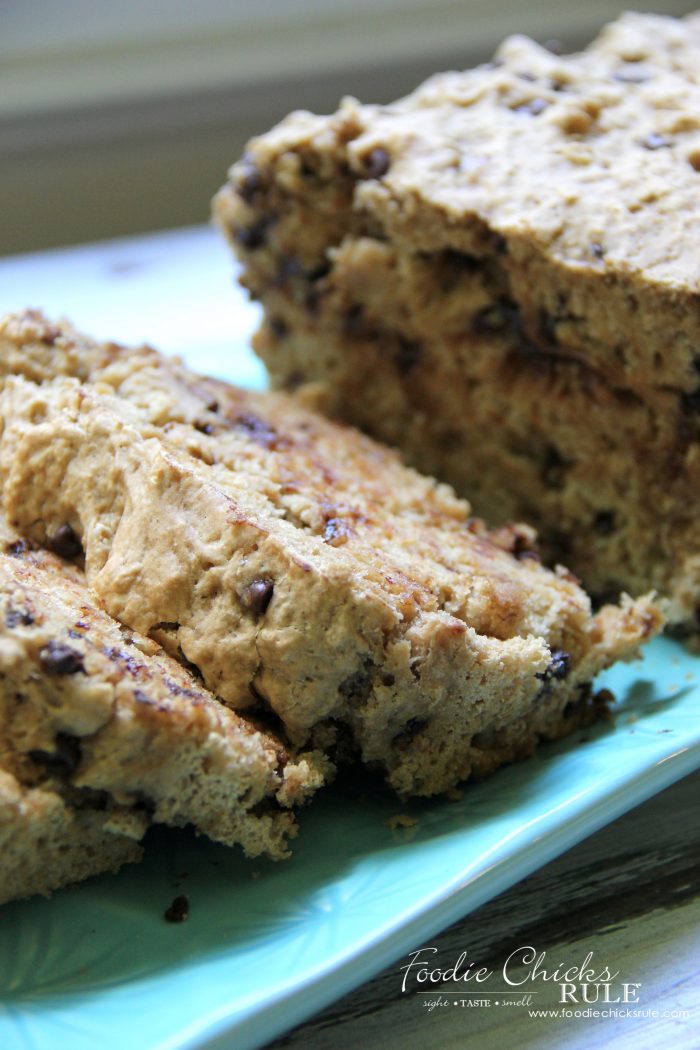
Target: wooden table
630,894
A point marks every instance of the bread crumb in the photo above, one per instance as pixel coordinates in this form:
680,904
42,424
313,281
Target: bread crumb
179,910
401,820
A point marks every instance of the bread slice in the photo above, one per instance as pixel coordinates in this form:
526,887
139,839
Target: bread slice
48,842
498,274
107,712
298,565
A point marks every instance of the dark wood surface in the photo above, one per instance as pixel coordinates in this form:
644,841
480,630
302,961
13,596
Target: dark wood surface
629,894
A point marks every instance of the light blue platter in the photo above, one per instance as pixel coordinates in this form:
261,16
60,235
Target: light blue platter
267,945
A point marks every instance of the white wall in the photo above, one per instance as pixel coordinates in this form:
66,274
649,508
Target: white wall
123,117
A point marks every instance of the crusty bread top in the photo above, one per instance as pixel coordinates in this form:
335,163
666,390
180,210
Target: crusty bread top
595,157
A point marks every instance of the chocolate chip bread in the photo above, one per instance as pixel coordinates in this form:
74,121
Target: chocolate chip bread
297,564
499,275
48,841
109,715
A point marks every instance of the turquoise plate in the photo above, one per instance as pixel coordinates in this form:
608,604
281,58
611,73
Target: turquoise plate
266,945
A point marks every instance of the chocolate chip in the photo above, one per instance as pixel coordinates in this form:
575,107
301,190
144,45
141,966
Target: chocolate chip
253,237
18,547
212,406
248,182
312,301
515,539
318,272
523,548
278,327
357,688
353,319
142,802
204,428
604,522
547,328
376,163
65,543
603,698
690,403
288,267
654,141
559,666
49,334
294,380
65,757
257,596
282,761
597,250
143,698
179,910
407,735
554,467
18,617
525,343
60,659
132,664
259,431
458,261
407,355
